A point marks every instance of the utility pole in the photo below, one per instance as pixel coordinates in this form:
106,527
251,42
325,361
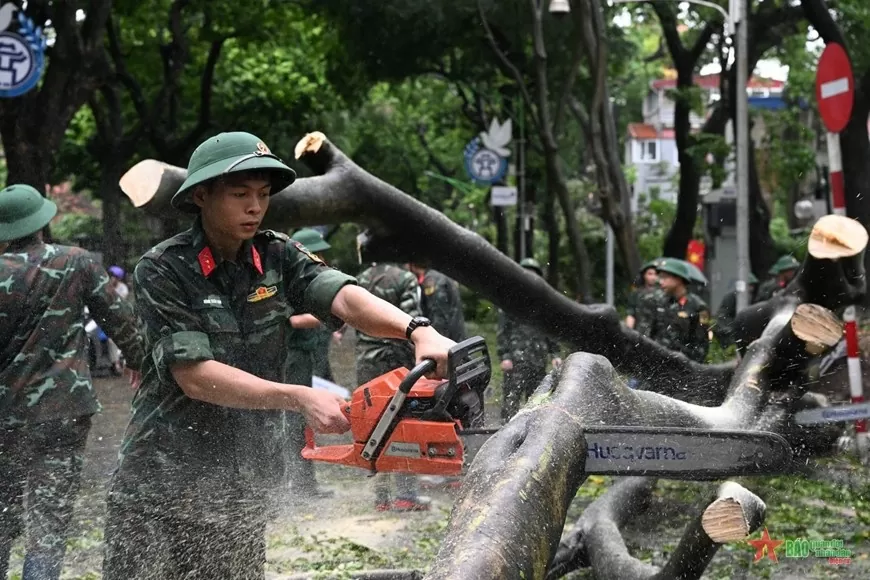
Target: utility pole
521,170
738,8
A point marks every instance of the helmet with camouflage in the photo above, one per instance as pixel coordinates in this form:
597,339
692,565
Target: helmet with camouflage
784,264
229,153
676,267
23,211
311,239
532,264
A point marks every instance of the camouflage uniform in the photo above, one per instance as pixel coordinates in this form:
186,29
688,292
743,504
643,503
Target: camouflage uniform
442,305
46,395
635,298
188,492
378,356
679,324
530,350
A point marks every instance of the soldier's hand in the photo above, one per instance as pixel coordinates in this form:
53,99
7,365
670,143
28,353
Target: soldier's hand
337,336
323,411
507,365
135,378
557,362
428,344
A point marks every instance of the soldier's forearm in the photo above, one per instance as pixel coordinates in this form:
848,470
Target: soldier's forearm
304,321
369,314
220,384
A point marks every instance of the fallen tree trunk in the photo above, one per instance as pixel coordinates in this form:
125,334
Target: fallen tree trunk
504,537
404,228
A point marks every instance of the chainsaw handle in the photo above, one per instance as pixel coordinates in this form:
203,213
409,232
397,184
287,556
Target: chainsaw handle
418,372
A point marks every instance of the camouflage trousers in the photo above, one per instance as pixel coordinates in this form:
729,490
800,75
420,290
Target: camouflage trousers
41,472
166,521
406,485
519,384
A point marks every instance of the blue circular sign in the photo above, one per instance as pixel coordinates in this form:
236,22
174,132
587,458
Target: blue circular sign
484,165
22,56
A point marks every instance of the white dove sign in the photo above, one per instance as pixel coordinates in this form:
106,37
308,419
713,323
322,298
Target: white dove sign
22,52
486,155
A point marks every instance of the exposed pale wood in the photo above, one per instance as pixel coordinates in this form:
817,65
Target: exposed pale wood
734,515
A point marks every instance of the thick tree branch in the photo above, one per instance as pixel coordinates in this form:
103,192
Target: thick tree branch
206,88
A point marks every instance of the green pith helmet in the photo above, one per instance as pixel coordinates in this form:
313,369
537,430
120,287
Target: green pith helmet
23,212
695,272
230,153
532,264
311,239
676,267
650,264
784,264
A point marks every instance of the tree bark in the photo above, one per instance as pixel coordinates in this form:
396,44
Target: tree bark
762,250
114,248
600,129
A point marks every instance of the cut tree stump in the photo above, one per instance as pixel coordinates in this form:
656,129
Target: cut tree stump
734,515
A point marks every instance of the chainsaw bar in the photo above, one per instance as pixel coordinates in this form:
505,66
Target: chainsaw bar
837,414
674,452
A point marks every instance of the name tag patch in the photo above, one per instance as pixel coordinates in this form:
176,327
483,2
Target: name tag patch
213,301
262,293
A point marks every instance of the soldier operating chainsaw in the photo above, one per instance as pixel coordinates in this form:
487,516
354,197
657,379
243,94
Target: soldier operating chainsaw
215,301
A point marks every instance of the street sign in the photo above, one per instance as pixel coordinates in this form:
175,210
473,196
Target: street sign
503,196
835,88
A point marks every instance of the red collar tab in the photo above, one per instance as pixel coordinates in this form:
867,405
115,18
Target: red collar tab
683,300
206,261
258,264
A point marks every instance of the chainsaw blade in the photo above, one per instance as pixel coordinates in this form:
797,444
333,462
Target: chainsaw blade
673,452
837,414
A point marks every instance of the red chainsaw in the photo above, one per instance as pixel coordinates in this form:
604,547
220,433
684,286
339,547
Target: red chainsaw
403,422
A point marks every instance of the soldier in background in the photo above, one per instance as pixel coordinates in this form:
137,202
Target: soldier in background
649,282
440,301
378,356
674,317
308,347
727,312
783,270
523,351
46,396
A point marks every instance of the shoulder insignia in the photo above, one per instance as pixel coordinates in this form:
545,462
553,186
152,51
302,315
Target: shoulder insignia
704,317
276,235
429,290
158,250
305,251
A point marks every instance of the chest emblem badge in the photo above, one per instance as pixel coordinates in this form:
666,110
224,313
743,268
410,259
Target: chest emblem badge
262,293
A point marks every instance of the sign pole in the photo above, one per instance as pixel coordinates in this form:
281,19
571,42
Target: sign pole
835,165
856,385
742,131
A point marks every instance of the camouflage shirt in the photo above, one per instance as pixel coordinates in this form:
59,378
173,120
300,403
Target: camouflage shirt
398,287
635,297
523,344
679,324
44,372
442,305
196,307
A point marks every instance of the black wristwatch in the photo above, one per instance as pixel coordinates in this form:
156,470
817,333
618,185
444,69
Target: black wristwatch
415,323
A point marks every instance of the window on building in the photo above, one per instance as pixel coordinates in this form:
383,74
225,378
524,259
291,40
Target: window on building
648,152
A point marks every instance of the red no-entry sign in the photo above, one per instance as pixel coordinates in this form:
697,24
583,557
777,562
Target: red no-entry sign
835,88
